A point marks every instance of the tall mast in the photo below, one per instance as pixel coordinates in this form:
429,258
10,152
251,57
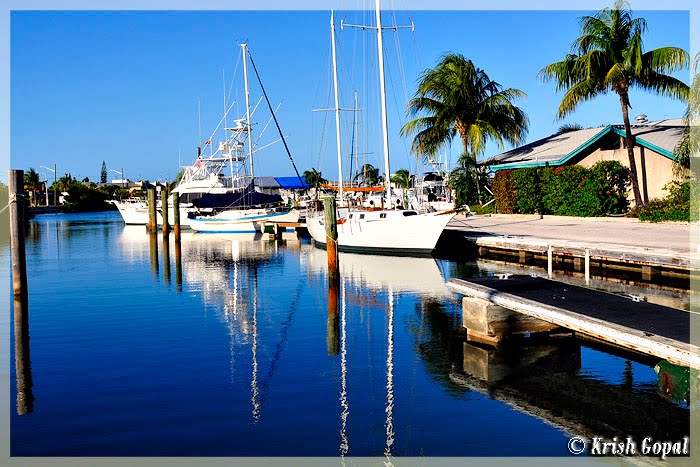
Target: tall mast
247,109
337,110
382,90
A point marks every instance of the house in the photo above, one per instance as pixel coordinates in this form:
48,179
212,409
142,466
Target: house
654,151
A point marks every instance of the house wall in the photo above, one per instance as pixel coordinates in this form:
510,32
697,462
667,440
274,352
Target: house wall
653,170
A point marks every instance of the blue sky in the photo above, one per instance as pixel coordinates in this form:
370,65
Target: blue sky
123,86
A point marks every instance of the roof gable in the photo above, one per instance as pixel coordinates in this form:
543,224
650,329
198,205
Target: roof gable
660,137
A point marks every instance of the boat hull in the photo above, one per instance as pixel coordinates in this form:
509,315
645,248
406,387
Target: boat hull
384,232
240,221
136,213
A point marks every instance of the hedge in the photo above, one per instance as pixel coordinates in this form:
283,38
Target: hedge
674,207
567,191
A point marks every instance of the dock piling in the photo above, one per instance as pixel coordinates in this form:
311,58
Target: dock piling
176,215
152,225
164,208
16,209
23,367
549,261
329,213
587,266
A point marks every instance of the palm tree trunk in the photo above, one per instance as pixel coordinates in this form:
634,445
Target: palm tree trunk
465,147
624,102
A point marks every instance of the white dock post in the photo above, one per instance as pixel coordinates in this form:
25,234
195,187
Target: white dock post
549,261
588,266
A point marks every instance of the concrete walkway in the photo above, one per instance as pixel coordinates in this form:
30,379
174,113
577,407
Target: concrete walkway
609,233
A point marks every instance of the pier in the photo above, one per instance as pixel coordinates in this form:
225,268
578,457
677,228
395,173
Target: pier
495,309
579,244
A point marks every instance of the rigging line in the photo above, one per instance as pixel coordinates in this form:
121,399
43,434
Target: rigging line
262,132
274,117
264,386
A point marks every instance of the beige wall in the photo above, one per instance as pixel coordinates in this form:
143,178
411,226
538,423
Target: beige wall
659,169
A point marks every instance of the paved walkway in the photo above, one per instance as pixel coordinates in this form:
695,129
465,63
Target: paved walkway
666,238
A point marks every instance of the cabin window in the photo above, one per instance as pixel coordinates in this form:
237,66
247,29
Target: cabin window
362,216
350,216
410,213
382,215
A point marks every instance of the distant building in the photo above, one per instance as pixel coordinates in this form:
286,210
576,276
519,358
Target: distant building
654,151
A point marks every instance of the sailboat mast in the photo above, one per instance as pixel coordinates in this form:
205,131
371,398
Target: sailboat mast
382,90
244,46
337,109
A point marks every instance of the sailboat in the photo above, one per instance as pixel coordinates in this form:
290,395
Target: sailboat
387,231
246,205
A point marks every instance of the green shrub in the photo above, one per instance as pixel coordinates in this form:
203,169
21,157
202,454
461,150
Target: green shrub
504,191
483,209
674,207
528,199
566,191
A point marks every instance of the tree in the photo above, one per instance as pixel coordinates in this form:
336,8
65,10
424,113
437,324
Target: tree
367,175
32,183
313,178
609,56
689,145
402,178
103,173
568,128
459,98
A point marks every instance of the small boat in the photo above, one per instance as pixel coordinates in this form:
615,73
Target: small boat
241,220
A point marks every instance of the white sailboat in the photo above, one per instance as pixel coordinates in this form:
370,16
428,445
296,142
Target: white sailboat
389,231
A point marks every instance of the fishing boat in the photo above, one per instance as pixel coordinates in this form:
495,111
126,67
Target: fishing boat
382,229
245,205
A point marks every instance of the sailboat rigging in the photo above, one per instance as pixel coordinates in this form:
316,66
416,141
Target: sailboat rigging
382,229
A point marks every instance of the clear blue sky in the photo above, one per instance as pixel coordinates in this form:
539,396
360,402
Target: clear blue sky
123,86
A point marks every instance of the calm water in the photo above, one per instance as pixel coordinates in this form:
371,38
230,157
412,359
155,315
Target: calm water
234,351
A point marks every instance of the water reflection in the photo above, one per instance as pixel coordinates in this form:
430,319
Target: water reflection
166,259
544,380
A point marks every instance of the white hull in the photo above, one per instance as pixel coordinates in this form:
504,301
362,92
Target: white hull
242,220
392,232
136,213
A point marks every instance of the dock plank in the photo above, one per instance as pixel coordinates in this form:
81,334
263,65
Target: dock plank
649,328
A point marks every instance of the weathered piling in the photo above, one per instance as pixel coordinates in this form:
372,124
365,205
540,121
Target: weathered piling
333,335
329,214
164,208
176,215
23,367
16,209
152,225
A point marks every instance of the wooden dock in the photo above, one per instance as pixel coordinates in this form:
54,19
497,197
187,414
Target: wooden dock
638,326
275,229
580,244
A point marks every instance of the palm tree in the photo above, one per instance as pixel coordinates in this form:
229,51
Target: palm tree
609,56
368,175
459,98
568,128
402,178
32,183
690,142
314,179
